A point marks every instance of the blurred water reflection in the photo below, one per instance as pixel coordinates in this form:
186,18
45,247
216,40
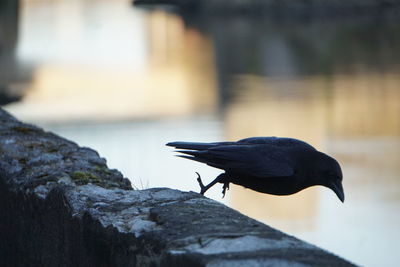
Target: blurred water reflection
125,81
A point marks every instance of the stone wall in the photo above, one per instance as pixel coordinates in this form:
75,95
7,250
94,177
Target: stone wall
62,206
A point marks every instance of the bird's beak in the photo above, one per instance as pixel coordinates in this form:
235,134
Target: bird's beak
337,187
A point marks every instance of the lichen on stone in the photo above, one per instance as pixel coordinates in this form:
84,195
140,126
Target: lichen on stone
82,177
24,129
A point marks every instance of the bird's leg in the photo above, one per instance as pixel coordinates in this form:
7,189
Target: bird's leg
226,186
200,181
204,188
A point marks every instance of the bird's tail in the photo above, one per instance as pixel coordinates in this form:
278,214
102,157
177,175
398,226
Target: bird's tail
195,145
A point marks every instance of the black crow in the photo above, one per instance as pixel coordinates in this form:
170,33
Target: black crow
272,165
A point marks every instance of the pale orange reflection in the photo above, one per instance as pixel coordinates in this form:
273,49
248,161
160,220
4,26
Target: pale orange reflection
366,104
189,52
124,73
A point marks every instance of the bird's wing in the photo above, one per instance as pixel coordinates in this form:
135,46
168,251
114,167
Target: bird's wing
277,141
255,160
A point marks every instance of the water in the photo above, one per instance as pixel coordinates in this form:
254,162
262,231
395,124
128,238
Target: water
125,81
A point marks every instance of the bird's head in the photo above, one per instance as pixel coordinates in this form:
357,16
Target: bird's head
330,174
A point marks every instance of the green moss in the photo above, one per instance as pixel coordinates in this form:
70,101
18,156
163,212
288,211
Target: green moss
23,129
81,178
103,169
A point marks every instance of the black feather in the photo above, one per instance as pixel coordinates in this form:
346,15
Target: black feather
273,165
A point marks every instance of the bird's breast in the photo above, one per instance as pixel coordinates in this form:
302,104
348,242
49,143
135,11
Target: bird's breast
269,185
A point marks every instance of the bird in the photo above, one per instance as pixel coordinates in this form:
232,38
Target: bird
271,165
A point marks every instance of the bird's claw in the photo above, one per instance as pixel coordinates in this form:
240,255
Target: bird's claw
202,187
224,188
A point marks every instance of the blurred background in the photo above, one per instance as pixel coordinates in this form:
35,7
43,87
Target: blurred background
125,80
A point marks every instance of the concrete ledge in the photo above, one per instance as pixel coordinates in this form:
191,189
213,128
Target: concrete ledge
62,206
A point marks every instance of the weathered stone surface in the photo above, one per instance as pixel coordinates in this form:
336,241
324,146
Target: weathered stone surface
33,157
62,206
